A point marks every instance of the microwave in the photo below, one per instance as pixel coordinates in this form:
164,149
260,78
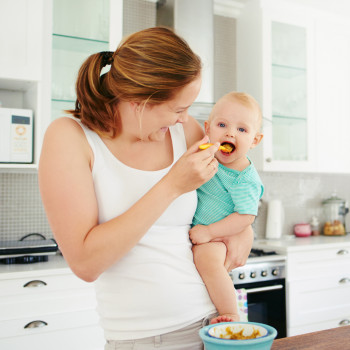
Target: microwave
16,135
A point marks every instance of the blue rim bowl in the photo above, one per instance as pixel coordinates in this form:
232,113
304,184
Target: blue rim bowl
261,343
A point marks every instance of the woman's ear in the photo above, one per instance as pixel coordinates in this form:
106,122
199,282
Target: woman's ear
257,138
135,106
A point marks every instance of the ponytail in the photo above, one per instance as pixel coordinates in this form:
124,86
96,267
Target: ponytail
93,105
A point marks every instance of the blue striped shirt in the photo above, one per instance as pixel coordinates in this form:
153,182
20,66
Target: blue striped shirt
227,192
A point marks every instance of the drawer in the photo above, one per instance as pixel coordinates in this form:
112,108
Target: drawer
318,300
41,285
43,323
83,337
317,263
316,326
19,306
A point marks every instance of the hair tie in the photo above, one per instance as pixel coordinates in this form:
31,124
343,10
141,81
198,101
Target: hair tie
107,57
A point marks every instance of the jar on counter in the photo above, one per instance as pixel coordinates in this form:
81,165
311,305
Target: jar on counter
334,209
315,226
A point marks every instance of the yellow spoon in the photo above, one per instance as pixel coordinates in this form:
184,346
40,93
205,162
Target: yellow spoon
225,147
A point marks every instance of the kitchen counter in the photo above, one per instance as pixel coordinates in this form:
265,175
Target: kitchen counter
291,243
335,339
55,265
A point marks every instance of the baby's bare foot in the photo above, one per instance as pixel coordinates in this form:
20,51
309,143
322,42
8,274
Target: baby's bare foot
225,318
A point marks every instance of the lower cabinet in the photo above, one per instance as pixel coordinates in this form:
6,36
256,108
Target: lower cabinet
318,289
48,310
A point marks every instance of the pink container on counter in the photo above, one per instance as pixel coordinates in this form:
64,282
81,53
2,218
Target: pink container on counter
302,230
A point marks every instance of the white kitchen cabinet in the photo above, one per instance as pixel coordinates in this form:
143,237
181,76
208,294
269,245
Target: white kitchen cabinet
294,60
275,65
21,39
332,49
47,309
317,281
318,289
23,34
43,47
74,41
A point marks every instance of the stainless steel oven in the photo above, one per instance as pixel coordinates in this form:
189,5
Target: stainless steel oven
263,279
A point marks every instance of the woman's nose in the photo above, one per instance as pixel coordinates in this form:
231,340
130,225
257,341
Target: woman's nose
183,117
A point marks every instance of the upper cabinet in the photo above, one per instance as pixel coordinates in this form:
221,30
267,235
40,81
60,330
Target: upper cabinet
294,60
275,65
332,49
72,42
44,43
23,32
21,39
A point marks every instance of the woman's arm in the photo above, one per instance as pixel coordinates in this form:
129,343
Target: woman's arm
193,131
68,196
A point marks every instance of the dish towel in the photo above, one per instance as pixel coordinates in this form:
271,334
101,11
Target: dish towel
242,304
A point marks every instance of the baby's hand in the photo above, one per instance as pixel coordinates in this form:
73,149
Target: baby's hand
200,234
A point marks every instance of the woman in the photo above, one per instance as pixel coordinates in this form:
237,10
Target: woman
118,184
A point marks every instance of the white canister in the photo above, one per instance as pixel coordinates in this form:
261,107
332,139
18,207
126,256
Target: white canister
275,219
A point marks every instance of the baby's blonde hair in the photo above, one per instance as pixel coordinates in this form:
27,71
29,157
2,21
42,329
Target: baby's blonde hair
243,98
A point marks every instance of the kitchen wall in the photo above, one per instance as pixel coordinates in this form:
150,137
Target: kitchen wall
21,210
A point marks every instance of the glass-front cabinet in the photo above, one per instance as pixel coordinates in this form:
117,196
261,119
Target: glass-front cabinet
289,92
80,28
274,63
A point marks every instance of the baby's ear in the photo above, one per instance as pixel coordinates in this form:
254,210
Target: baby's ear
257,138
206,127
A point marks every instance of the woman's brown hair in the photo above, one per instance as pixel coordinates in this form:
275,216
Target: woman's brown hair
149,65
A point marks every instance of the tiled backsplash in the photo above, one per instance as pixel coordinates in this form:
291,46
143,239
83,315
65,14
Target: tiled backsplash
21,210
301,195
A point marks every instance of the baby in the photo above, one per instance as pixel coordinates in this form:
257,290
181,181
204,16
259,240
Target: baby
228,203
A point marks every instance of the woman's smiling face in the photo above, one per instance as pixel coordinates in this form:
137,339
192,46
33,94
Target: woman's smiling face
155,120
233,123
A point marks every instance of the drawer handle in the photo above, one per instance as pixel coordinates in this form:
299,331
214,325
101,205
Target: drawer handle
35,284
343,252
344,322
344,280
35,324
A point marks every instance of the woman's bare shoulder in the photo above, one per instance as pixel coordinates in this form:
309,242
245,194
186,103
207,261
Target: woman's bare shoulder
65,136
64,124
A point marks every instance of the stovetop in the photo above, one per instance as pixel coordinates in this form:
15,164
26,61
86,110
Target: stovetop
261,266
259,255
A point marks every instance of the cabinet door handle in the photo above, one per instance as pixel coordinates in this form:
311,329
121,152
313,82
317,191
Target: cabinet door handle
268,160
35,324
344,280
343,252
344,322
35,284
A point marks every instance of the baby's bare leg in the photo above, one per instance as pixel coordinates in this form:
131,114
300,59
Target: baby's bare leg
209,259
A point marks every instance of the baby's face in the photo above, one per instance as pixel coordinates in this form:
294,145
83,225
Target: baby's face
235,124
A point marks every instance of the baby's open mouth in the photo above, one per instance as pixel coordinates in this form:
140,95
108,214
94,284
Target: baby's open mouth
227,147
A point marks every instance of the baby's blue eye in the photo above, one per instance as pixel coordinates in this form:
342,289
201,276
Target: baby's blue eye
221,125
241,129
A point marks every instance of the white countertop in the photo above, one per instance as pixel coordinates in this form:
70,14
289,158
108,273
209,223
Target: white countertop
292,243
55,265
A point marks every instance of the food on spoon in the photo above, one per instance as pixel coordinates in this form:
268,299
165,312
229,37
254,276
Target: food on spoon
225,147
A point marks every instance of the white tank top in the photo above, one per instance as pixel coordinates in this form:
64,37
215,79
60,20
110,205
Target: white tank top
155,288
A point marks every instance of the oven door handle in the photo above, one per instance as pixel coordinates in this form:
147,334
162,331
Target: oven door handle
264,289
